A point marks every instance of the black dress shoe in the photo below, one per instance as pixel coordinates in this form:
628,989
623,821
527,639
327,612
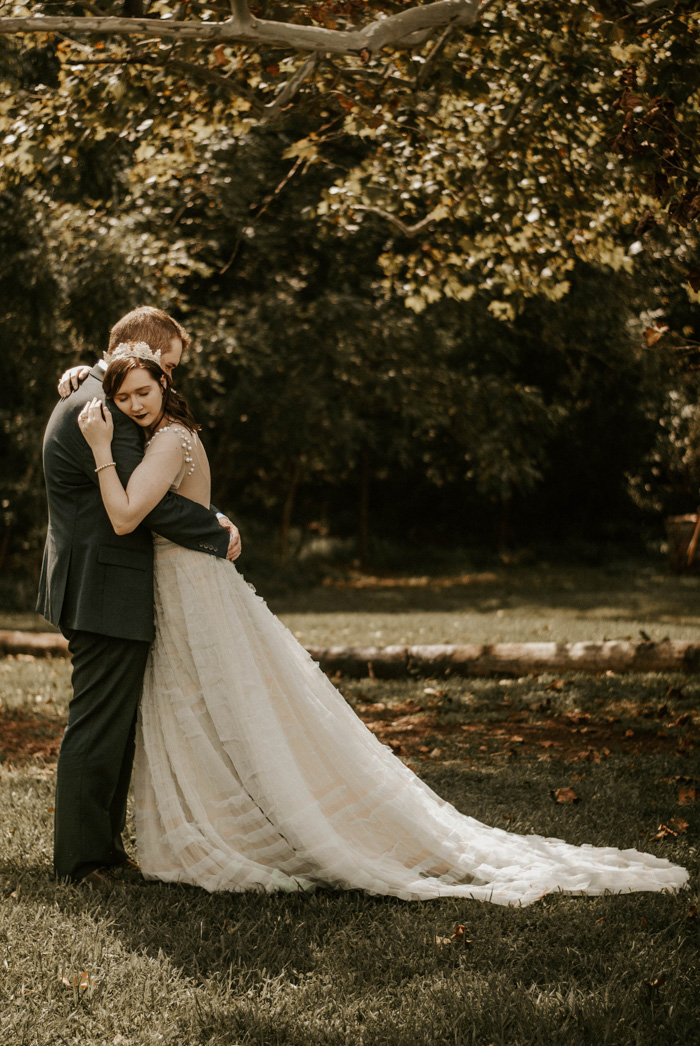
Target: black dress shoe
128,872
98,879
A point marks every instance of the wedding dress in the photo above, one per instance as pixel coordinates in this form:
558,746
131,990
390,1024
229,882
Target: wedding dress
253,773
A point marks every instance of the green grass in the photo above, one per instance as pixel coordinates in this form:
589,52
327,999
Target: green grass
172,965
497,603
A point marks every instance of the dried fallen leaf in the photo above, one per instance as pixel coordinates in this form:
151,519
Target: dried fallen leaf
458,937
683,720
658,982
546,744
680,824
442,941
219,56
687,794
664,831
564,795
81,980
516,739
589,756
556,684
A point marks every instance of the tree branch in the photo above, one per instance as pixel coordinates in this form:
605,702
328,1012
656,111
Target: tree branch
405,28
291,87
409,231
427,66
240,13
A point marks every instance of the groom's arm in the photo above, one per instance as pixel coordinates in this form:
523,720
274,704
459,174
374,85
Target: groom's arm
176,518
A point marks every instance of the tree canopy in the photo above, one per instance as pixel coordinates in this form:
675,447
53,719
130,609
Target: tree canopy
429,247
495,146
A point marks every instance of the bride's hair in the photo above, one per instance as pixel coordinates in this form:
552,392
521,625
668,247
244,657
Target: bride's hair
174,405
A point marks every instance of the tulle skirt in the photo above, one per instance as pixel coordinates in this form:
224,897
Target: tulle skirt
253,773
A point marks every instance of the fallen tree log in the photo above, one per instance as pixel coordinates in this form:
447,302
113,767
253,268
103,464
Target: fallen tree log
40,644
510,659
470,659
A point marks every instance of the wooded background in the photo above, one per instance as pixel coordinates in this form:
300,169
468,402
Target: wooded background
439,262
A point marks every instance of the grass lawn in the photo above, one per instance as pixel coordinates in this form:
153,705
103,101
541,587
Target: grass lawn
173,965
508,604
497,603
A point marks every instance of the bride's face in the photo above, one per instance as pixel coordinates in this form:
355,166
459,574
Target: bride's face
140,397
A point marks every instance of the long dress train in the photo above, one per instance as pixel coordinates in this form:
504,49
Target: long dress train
253,773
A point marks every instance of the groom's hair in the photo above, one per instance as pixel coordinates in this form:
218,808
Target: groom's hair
147,324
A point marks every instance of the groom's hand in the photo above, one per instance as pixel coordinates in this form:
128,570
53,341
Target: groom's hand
234,544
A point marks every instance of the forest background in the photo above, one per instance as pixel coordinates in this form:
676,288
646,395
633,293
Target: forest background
443,286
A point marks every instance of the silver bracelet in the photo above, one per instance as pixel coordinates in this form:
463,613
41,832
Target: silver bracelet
106,466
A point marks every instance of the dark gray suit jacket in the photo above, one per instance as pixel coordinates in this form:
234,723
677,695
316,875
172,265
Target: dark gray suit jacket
92,579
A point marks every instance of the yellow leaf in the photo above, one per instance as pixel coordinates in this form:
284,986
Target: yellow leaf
439,212
502,310
304,148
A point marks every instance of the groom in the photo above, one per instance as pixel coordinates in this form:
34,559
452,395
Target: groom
97,587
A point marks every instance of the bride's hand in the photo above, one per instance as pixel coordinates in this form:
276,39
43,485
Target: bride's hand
96,424
70,380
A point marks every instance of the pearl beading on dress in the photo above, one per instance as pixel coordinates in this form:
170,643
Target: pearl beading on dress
186,443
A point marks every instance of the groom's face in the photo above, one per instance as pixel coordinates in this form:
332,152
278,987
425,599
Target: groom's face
170,357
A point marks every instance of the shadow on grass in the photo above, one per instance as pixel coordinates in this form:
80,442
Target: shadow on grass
629,594
336,968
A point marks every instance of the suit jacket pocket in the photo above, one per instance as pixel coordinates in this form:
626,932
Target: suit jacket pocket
135,559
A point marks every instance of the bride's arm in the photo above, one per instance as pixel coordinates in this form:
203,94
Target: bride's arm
148,483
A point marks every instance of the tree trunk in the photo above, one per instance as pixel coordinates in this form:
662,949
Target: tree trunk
504,525
363,520
4,545
287,510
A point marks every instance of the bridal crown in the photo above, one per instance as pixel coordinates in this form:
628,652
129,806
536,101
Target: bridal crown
136,350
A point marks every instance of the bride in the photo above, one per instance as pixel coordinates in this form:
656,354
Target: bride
252,772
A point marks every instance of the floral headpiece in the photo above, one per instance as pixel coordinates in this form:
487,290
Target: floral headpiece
135,350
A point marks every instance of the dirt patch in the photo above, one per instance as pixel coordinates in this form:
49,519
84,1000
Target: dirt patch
416,733
25,737
421,734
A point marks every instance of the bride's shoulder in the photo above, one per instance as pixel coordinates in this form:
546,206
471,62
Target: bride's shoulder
173,433
172,439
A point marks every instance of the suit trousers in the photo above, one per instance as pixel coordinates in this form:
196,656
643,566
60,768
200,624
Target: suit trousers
97,752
